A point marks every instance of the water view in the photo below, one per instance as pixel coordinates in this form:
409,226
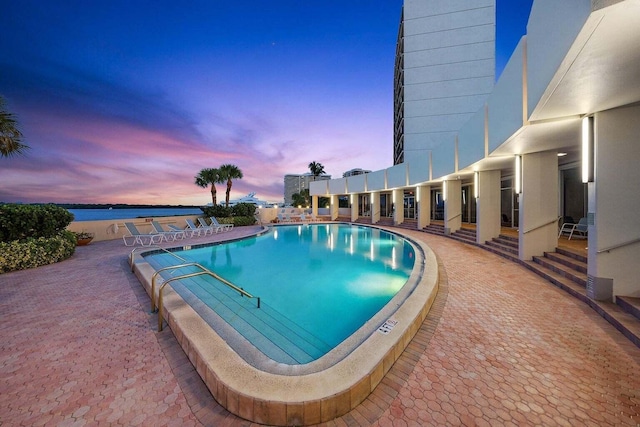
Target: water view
102,214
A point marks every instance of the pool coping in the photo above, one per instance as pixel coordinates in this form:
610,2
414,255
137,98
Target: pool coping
277,399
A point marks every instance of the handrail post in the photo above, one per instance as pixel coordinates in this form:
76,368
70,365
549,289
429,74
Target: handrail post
160,320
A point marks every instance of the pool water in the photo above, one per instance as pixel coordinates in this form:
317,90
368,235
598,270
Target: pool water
318,284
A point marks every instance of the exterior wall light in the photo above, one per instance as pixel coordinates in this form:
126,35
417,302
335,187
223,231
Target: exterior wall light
476,181
518,177
587,149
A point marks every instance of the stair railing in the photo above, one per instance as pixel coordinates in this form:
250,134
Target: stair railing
454,217
620,245
540,226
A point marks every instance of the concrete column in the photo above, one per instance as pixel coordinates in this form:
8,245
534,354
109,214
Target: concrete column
314,206
423,199
397,196
334,207
355,206
488,206
613,206
375,207
538,230
452,206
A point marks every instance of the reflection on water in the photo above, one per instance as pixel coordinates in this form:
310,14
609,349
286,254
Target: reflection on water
312,273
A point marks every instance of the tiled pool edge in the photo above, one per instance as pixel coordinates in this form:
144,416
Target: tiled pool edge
294,400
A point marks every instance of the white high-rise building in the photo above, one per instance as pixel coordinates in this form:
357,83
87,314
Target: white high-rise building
444,72
295,183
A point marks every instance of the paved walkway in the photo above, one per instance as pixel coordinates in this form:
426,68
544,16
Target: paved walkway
501,347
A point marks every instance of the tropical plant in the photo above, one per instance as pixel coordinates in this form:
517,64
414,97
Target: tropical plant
10,136
301,199
316,169
209,176
244,209
34,235
229,172
19,222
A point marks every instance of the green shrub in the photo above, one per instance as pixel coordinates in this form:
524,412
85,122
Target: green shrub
34,252
219,211
243,209
19,222
238,221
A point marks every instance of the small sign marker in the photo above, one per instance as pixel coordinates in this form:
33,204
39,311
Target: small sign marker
387,326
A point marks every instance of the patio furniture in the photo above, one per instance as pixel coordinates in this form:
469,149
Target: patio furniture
580,229
135,236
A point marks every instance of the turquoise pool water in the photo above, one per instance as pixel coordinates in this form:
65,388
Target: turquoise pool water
318,284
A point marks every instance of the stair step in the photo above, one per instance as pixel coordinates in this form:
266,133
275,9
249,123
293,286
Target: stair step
434,229
509,238
571,254
629,304
623,321
562,269
466,231
505,248
465,237
559,280
506,242
503,253
567,261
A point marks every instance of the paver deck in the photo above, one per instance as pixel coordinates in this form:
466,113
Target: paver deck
501,346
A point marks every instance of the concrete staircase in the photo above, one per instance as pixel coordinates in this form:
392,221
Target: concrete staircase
564,269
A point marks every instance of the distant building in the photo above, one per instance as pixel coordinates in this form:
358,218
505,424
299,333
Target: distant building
354,172
295,183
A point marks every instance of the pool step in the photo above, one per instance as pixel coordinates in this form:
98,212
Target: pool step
272,333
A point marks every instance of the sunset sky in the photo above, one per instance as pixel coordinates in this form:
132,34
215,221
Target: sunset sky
124,102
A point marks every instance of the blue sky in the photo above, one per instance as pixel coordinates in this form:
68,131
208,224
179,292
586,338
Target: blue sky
124,102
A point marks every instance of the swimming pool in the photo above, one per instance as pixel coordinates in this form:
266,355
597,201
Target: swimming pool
281,394
318,284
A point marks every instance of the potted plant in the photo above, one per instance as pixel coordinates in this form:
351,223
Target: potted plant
83,238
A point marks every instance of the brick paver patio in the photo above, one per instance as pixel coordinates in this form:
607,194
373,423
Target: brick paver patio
501,346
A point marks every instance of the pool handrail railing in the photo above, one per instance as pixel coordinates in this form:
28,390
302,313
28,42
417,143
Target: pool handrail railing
205,270
199,273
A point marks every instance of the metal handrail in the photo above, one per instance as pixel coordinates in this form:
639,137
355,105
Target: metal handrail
152,247
454,217
620,245
186,276
157,272
540,226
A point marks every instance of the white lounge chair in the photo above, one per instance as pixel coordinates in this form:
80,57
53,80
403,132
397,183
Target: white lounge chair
195,229
223,227
169,234
135,236
206,227
580,229
188,232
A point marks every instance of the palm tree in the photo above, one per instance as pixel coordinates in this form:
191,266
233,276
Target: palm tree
316,169
10,136
209,176
228,173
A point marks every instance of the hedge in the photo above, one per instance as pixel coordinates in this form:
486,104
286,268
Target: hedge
34,252
18,222
34,235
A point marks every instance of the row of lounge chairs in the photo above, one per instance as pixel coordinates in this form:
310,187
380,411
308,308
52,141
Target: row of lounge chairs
159,233
291,217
